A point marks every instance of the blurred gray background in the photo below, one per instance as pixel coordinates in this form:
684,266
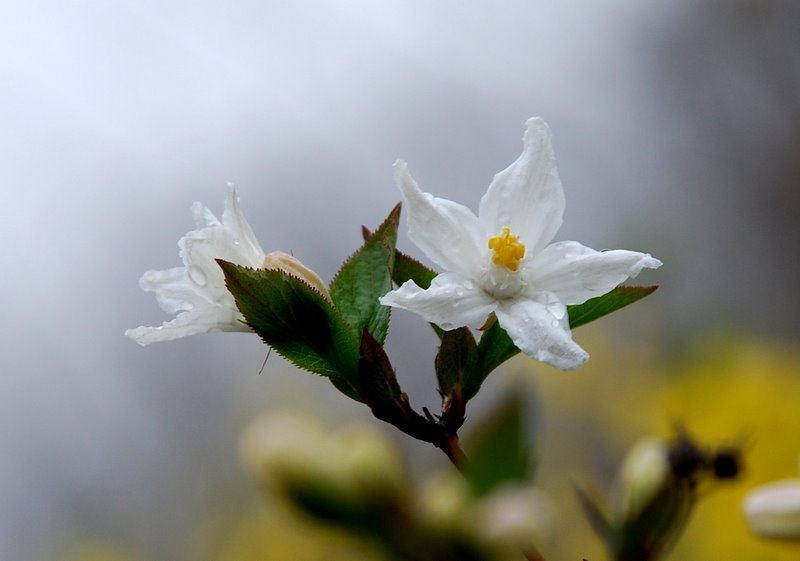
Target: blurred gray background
676,126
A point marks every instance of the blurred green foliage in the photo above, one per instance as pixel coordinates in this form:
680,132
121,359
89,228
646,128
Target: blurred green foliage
728,389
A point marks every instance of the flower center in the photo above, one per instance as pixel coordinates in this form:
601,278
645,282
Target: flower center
508,251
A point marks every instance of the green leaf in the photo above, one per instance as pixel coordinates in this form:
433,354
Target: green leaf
494,348
407,268
595,513
365,277
595,308
499,450
297,321
457,359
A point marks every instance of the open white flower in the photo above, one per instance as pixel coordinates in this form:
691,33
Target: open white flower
500,260
196,292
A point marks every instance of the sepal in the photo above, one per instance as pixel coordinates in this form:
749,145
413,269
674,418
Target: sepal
457,367
456,361
380,390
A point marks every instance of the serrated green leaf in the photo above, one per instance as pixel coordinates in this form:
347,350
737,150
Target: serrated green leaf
595,308
365,277
499,450
297,321
407,268
456,360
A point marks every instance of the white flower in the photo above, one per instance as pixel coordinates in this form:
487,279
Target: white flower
773,511
500,260
644,474
196,292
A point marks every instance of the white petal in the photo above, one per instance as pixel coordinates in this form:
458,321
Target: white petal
173,289
243,237
200,254
539,334
447,232
203,217
208,319
198,309
451,301
527,196
197,291
576,273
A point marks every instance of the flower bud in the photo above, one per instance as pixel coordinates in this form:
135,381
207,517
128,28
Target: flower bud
644,473
368,462
773,511
443,501
290,265
280,448
514,518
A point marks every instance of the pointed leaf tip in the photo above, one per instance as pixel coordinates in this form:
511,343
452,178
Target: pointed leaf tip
618,298
365,277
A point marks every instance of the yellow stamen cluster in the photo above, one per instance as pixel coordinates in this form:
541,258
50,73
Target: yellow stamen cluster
507,249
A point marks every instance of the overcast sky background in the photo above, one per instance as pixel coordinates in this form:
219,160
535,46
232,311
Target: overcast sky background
675,128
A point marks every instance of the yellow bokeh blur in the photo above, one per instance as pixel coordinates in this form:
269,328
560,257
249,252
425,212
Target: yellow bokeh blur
277,534
728,389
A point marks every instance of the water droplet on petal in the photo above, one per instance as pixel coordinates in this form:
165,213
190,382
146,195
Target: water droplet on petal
197,275
556,308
